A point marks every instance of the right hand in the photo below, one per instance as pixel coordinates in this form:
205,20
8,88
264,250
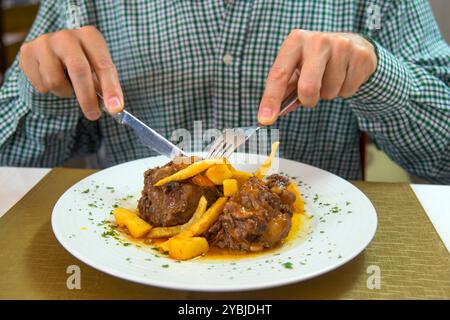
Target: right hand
81,52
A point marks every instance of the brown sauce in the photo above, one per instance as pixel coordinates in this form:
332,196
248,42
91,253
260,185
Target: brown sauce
215,253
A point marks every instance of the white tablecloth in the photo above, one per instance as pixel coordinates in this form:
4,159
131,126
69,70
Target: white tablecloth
435,199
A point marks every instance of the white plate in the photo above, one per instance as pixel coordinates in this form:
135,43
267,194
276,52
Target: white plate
343,223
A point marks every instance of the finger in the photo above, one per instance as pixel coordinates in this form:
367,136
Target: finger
99,58
315,58
52,72
68,49
336,69
278,77
357,74
30,67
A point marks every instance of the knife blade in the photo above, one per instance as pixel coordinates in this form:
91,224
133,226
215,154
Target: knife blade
147,135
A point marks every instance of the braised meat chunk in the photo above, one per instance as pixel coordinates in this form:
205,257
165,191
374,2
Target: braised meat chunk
173,203
257,217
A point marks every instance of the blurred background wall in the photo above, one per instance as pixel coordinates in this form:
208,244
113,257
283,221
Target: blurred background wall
16,17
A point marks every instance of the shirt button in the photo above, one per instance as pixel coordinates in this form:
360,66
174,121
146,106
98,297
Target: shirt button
228,59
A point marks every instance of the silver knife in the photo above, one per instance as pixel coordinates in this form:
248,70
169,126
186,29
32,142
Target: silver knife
147,135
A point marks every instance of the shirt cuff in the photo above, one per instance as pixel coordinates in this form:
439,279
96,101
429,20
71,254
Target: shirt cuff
387,89
45,104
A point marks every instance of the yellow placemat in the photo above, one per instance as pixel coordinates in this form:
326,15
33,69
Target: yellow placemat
411,258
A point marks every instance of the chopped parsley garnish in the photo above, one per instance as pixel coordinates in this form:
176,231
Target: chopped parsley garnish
109,233
85,191
335,209
165,266
288,265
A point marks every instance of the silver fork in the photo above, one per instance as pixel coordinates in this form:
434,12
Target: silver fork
232,138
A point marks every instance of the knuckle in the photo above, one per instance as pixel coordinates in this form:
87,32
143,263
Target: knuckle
278,73
104,63
42,39
308,89
24,50
342,43
270,100
88,30
362,55
53,82
321,39
328,94
347,92
41,89
296,34
88,103
61,35
78,67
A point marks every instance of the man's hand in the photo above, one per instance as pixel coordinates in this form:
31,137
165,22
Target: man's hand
46,59
330,65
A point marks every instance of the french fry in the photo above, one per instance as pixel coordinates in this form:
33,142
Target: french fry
166,232
165,246
187,248
240,176
135,225
230,187
207,219
218,173
261,172
299,205
190,171
202,181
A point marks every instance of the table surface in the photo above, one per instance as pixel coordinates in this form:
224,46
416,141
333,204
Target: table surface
411,259
435,199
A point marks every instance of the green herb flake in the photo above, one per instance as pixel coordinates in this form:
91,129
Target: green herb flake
165,266
335,209
288,265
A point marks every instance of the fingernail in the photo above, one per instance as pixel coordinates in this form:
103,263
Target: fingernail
266,113
93,114
114,104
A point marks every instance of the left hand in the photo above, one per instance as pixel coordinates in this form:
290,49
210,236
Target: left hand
330,64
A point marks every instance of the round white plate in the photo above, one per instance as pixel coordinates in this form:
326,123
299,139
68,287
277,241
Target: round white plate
343,222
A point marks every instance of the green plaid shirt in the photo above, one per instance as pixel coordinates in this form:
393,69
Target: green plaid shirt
170,58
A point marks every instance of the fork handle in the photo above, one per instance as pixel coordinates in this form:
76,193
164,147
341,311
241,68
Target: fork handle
289,102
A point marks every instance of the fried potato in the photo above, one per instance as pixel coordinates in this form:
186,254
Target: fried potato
299,205
230,187
207,219
187,248
190,171
218,173
261,172
135,225
164,246
202,181
240,176
165,232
